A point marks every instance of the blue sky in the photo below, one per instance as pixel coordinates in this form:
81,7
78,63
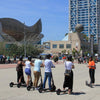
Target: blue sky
53,13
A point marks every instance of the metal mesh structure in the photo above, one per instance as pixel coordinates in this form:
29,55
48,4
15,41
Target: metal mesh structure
12,30
87,13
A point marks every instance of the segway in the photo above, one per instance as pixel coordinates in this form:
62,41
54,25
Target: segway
41,84
21,85
53,87
17,84
30,85
12,84
58,91
88,84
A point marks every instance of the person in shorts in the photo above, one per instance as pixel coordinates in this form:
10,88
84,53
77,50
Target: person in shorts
28,64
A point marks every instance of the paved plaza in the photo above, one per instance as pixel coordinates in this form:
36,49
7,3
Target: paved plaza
80,90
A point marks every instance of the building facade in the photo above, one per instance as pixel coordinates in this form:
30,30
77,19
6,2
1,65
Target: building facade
70,42
87,13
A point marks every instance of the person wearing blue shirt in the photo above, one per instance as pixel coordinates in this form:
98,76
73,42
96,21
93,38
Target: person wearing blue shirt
48,72
37,71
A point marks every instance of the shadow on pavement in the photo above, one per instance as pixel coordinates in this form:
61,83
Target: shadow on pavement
97,85
73,93
78,93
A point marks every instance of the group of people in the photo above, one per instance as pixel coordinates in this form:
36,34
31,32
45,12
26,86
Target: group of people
3,59
48,64
7,60
82,59
37,70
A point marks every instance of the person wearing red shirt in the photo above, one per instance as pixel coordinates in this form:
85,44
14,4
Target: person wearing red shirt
64,58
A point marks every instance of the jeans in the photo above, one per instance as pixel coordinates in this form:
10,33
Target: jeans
49,76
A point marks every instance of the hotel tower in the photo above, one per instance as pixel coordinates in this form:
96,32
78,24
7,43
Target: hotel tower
87,13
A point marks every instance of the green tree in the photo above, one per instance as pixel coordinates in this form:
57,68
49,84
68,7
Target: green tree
63,51
15,49
73,52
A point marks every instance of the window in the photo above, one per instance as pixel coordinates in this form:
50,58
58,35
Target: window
54,46
61,45
68,45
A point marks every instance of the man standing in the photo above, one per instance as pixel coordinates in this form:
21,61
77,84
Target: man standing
48,72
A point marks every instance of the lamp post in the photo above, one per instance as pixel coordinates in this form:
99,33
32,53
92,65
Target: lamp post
91,41
99,46
24,41
70,45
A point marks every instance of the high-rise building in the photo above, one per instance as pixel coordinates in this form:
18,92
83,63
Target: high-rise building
87,13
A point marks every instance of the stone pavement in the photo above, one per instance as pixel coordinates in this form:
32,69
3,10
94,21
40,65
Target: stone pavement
80,90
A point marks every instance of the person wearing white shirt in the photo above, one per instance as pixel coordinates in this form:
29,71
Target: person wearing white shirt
28,64
48,72
68,81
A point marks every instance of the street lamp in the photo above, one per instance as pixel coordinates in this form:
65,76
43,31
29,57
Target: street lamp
91,41
70,45
99,46
24,41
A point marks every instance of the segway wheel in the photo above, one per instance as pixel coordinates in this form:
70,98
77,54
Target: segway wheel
11,84
33,88
28,88
58,92
53,87
31,83
40,90
18,85
40,85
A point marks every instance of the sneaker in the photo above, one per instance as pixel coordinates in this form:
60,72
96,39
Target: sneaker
69,92
36,88
64,92
93,85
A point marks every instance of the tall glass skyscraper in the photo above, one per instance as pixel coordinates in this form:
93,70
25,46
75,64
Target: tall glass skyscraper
87,13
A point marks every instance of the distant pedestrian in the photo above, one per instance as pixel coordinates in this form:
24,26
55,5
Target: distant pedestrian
14,59
9,61
55,57
64,59
4,59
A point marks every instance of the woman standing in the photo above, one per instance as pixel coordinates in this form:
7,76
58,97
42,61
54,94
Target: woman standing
28,64
92,68
19,69
37,71
68,81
